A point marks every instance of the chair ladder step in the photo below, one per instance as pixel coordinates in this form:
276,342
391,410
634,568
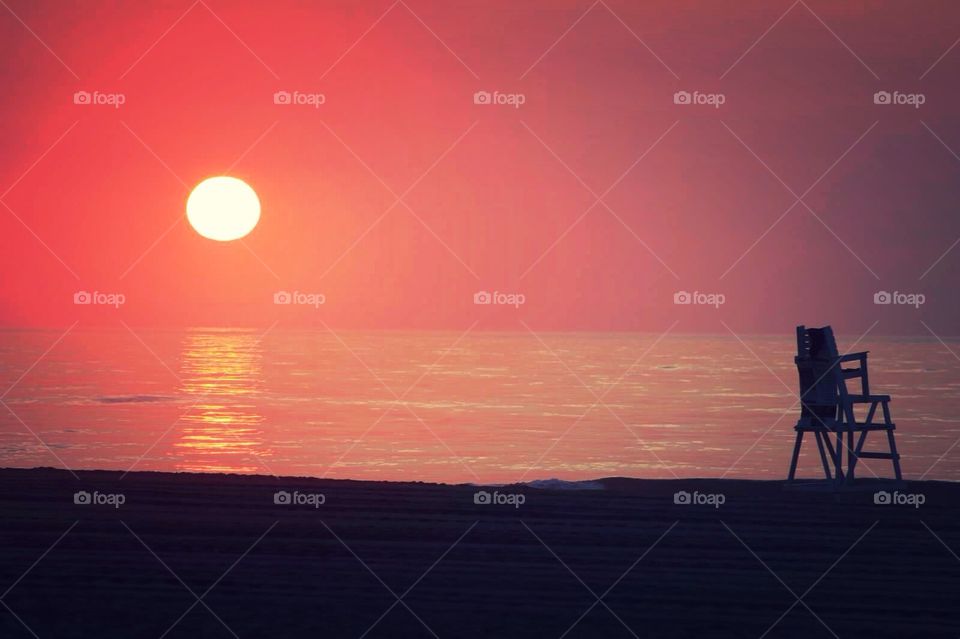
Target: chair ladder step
878,456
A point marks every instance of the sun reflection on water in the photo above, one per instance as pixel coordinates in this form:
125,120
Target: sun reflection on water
222,378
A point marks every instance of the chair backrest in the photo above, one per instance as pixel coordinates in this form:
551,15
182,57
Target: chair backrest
821,378
818,343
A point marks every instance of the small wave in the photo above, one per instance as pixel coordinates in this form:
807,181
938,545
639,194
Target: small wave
131,399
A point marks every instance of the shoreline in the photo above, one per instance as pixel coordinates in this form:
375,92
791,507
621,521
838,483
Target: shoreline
620,484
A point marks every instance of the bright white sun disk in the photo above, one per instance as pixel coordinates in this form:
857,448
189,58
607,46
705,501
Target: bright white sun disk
223,208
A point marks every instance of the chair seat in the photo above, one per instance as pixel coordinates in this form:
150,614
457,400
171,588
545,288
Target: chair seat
833,426
868,399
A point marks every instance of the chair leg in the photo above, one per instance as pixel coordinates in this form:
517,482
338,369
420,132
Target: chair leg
893,442
838,460
828,445
796,456
823,456
860,441
851,457
894,454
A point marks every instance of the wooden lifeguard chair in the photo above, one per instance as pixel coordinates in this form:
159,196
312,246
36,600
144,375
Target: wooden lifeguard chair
827,408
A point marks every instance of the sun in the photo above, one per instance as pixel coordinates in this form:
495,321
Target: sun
223,208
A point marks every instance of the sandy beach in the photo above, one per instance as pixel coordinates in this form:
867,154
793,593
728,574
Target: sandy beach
189,555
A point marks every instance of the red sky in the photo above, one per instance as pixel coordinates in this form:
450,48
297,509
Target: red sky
491,194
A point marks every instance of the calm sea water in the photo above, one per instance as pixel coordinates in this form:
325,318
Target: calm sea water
489,407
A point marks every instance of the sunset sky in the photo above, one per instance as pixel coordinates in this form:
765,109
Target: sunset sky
493,197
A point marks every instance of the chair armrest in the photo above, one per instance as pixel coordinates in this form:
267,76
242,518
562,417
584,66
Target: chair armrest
850,357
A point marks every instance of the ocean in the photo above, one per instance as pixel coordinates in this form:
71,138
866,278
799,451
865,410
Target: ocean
446,406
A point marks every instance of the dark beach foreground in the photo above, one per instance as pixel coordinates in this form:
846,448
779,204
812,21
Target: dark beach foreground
214,556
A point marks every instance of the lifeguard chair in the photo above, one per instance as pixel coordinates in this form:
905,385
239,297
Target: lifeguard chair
827,408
